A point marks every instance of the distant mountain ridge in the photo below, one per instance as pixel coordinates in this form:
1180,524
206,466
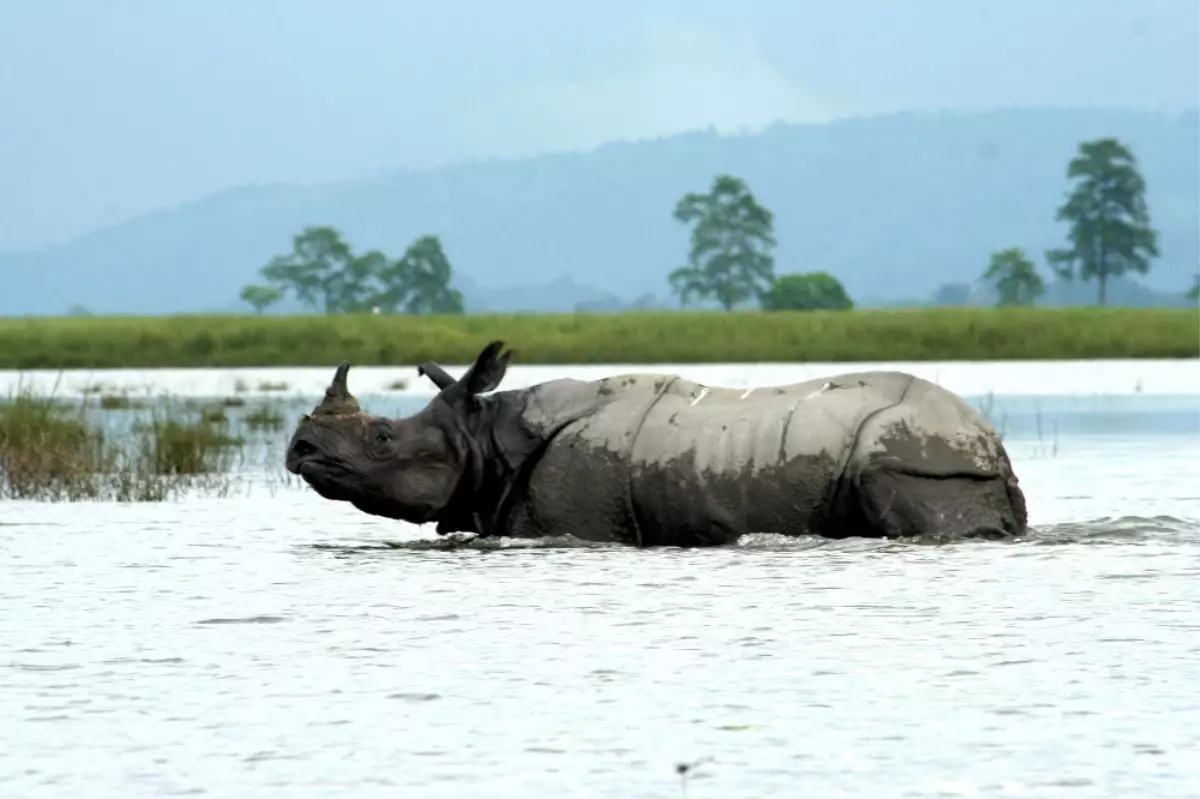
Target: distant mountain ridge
894,206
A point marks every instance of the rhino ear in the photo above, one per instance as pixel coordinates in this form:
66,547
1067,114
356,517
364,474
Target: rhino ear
437,374
484,375
488,370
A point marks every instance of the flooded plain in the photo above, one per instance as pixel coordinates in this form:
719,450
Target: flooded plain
268,643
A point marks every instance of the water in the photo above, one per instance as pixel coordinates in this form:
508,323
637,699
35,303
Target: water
273,644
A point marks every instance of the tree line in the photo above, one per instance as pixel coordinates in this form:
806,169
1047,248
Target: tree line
326,275
730,258
1109,235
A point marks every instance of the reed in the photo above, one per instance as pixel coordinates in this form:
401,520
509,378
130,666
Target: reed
52,450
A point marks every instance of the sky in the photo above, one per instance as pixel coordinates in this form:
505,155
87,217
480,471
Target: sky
112,109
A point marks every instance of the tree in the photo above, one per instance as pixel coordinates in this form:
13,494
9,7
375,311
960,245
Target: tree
357,285
1110,225
1194,292
420,281
951,294
730,256
325,274
260,297
814,291
1015,277
316,271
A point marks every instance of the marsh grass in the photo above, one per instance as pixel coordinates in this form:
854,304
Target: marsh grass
177,447
52,450
112,402
946,334
1046,447
1046,444
267,417
987,407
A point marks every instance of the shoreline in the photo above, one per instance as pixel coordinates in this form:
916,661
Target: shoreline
1100,377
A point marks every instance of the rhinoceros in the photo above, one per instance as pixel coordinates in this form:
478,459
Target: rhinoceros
659,460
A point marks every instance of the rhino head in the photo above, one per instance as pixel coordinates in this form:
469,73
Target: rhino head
431,466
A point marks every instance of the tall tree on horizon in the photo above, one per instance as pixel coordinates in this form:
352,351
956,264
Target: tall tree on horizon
1110,231
730,256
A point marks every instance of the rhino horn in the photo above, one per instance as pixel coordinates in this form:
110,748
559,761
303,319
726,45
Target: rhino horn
338,399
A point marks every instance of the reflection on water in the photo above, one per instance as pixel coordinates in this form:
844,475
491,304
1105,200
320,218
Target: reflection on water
273,644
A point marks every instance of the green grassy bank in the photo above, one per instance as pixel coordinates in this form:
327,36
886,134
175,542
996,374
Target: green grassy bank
874,335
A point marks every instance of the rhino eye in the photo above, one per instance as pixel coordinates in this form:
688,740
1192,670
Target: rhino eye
383,436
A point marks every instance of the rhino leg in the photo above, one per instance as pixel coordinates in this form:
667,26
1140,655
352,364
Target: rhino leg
931,465
895,501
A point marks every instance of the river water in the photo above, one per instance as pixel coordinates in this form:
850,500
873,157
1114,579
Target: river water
269,644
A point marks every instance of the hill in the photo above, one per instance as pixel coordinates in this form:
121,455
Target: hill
894,205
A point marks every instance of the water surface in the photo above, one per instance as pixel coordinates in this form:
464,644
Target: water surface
273,644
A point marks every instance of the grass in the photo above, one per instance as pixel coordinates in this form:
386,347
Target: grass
46,452
56,451
629,338
264,417
175,447
113,402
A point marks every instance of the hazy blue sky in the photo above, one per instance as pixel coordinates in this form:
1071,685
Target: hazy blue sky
109,108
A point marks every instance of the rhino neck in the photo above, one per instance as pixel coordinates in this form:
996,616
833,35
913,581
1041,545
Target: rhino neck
500,447
505,439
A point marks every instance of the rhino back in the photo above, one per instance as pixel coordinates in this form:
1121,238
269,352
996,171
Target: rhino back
581,482
930,431
932,463
710,464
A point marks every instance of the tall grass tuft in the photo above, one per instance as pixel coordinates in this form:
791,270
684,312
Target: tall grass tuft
51,451
173,446
265,417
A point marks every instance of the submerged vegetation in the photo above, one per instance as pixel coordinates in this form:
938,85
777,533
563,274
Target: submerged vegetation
266,417
975,334
54,450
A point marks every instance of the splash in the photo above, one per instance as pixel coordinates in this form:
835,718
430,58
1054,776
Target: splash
1101,531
